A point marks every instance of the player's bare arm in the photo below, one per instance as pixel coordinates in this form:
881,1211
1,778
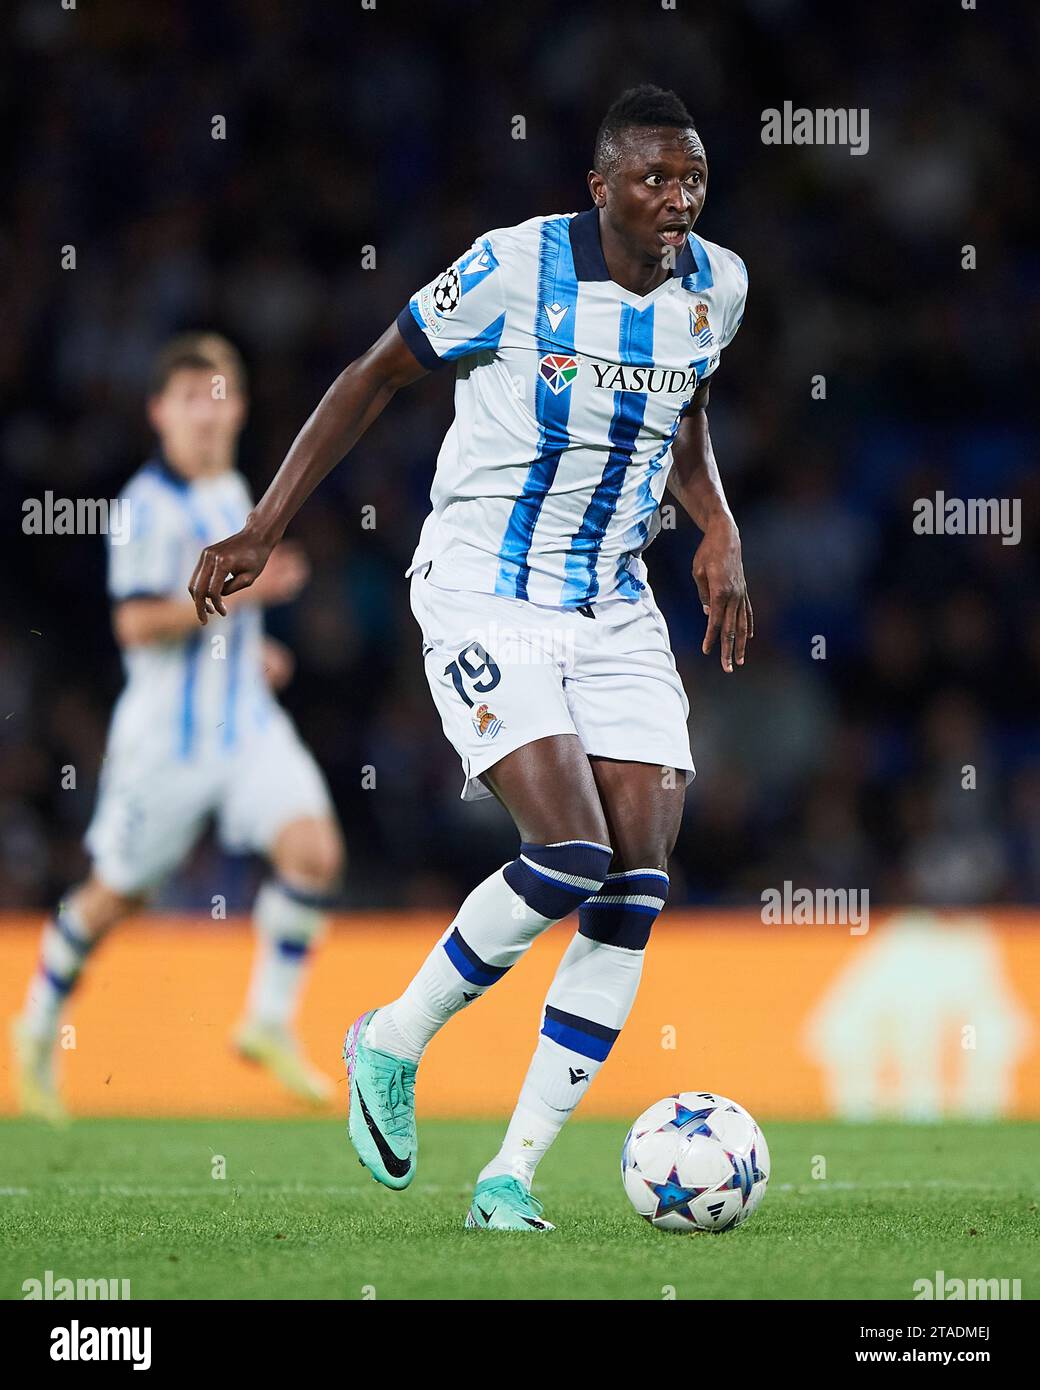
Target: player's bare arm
718,567
354,400
138,621
279,664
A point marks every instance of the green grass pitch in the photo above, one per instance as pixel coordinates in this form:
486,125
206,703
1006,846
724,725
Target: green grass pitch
296,1217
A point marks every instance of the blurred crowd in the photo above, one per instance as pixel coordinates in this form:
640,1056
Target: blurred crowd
900,755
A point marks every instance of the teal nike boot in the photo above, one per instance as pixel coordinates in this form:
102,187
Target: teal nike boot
504,1204
381,1123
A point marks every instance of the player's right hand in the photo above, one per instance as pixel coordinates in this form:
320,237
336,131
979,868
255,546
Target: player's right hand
224,568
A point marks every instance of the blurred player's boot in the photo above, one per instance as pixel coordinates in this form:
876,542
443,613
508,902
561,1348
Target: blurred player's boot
381,1123
34,1074
504,1204
276,1049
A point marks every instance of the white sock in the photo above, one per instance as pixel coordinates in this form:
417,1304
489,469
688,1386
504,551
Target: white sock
492,930
287,921
64,947
589,1000
530,1133
503,926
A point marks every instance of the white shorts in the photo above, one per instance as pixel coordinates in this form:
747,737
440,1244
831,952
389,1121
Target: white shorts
505,672
150,813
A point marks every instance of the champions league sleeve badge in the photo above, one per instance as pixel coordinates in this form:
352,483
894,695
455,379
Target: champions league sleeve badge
447,291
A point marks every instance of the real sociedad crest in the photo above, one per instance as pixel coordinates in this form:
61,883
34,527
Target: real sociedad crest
485,722
700,327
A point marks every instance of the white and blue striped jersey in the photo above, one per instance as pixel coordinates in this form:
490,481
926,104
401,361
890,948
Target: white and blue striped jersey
569,391
204,694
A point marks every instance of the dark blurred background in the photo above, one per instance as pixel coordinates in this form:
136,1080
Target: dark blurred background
392,128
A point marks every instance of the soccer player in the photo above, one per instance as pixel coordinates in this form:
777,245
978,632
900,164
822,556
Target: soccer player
196,732
583,346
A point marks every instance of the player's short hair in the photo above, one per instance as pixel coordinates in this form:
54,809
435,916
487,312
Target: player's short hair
196,351
645,105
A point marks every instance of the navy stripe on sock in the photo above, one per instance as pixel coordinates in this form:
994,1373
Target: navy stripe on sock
56,982
81,945
647,883
546,894
468,963
322,902
581,1035
293,950
626,923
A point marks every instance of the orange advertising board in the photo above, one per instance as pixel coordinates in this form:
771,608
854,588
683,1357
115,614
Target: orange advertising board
922,1016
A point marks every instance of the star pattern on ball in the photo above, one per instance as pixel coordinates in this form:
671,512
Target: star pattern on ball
673,1196
683,1117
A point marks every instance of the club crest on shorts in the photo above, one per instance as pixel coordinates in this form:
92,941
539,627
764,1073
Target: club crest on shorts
486,724
700,327
557,370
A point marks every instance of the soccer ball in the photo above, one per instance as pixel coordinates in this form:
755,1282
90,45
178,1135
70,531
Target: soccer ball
695,1162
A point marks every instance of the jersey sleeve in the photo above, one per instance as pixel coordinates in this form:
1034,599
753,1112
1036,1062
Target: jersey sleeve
732,309
737,299
145,555
461,312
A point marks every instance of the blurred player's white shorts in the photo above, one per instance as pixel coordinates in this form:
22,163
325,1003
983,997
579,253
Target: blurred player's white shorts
150,813
505,672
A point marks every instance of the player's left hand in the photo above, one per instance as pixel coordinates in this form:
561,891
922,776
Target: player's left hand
718,572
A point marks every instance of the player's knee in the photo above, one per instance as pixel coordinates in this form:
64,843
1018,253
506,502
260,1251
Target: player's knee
310,855
555,879
324,860
99,908
654,861
640,848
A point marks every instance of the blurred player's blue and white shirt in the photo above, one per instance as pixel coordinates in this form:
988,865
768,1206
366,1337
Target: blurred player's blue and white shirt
205,694
196,731
569,392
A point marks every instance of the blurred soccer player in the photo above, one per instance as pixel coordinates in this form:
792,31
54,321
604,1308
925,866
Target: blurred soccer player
583,345
196,732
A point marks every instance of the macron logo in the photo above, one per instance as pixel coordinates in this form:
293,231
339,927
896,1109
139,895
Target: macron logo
555,313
